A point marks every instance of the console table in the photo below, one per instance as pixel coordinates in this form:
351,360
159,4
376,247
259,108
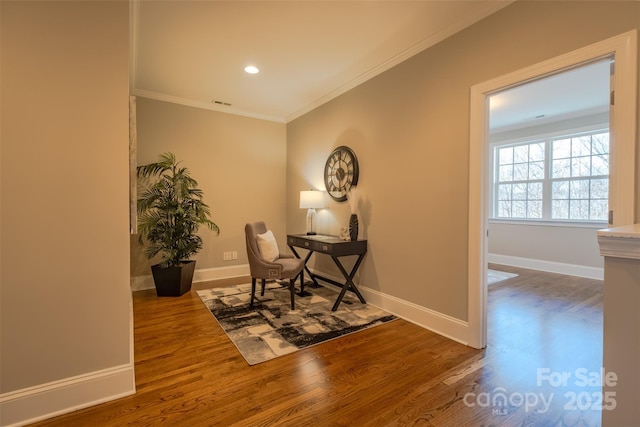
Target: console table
335,248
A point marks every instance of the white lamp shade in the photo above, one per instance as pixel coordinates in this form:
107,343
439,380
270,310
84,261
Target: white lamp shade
311,199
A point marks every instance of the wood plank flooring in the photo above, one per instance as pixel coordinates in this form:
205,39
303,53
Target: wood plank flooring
188,373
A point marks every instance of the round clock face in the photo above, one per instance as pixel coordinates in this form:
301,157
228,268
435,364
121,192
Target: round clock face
341,173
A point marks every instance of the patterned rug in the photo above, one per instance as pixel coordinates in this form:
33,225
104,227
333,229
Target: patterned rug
495,276
272,329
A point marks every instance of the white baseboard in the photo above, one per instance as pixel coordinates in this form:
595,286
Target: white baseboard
549,266
442,324
140,283
26,406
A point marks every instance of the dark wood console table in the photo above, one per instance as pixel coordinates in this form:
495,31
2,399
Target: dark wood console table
335,248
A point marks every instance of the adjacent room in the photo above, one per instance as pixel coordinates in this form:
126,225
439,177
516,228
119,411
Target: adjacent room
350,258
549,141
545,292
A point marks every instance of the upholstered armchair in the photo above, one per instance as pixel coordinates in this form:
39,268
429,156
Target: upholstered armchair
267,263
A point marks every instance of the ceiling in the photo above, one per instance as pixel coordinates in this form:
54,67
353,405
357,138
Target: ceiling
309,52
573,93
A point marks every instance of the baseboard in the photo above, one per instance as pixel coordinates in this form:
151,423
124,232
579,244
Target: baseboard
26,406
549,266
439,323
442,324
140,283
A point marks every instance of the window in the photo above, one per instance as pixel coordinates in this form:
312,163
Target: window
563,178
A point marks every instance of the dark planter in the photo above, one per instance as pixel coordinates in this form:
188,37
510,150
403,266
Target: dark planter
353,227
173,281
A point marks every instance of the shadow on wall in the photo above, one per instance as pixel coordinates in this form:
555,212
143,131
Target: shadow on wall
357,142
140,265
340,212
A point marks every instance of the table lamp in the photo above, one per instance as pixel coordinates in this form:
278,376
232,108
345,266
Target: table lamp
311,200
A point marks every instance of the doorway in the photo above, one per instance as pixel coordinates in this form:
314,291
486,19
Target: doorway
623,49
548,163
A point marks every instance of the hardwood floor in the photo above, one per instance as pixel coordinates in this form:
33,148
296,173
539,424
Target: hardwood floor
188,373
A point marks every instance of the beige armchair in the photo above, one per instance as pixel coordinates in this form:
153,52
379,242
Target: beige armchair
267,263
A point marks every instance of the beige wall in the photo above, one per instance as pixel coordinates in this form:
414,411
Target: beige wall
410,129
65,306
239,163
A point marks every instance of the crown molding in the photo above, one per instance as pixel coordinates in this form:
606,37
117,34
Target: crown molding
204,105
620,242
401,57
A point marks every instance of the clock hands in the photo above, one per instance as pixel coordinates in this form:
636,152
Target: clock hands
341,172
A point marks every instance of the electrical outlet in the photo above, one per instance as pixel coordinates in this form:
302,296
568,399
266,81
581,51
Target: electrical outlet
234,255
226,256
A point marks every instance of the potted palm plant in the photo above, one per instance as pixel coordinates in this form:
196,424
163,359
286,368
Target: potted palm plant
170,212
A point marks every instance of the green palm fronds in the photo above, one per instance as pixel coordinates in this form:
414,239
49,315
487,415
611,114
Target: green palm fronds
170,211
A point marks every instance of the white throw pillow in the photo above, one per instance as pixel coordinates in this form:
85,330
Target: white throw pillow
268,246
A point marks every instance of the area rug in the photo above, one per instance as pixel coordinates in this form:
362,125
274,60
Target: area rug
495,276
271,329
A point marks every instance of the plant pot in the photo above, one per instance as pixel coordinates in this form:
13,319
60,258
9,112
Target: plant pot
173,281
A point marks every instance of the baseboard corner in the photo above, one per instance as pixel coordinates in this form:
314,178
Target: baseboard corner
37,403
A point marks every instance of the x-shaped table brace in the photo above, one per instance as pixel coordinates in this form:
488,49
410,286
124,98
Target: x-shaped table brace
348,276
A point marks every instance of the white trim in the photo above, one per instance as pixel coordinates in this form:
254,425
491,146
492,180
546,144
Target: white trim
619,247
549,266
204,105
623,134
478,225
140,283
44,401
134,24
620,242
418,47
132,359
623,127
218,273
548,223
432,40
441,324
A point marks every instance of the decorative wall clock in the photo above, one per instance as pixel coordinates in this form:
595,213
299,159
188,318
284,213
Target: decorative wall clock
341,172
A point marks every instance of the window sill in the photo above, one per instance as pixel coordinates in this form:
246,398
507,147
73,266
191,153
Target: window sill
596,225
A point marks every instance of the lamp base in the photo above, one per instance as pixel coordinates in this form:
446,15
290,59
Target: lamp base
311,219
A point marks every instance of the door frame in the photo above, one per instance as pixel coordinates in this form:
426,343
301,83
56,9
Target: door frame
623,48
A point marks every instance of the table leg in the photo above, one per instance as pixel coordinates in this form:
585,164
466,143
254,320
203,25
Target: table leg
313,279
349,281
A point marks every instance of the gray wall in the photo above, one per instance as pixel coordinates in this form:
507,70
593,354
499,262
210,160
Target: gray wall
65,307
572,245
410,129
64,170
239,163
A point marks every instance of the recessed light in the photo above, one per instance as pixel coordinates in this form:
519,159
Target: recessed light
251,69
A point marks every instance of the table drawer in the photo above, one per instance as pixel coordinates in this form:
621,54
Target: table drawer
330,245
309,244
